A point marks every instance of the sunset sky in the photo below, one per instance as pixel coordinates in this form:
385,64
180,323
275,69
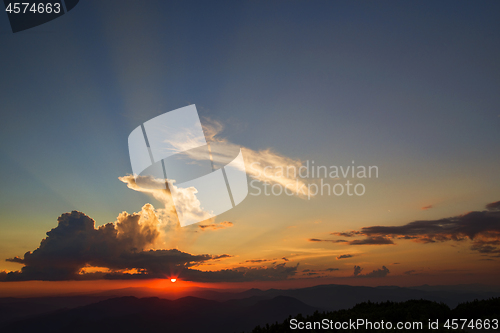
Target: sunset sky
411,88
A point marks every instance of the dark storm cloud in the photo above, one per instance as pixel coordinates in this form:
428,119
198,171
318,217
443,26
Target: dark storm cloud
122,246
376,273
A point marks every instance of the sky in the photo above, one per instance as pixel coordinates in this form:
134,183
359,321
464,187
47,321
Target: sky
411,88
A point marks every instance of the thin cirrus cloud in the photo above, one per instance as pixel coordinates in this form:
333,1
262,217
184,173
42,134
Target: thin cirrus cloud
124,248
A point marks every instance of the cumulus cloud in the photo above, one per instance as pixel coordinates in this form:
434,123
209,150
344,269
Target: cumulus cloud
124,248
187,204
376,273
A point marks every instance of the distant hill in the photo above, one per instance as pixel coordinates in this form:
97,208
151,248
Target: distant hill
240,310
188,314
416,313
332,296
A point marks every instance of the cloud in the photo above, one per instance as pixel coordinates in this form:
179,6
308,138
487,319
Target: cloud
123,247
332,269
410,272
346,233
263,165
75,242
258,260
493,206
187,204
378,240
376,273
256,164
222,225
468,225
427,207
327,240
482,228
344,256
318,271
254,261
241,274
485,248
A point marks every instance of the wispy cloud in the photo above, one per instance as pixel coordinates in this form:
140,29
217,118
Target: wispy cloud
216,226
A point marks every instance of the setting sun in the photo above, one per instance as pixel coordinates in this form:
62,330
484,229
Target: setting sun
173,280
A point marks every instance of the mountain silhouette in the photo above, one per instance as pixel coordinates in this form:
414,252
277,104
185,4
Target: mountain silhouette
188,314
209,310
